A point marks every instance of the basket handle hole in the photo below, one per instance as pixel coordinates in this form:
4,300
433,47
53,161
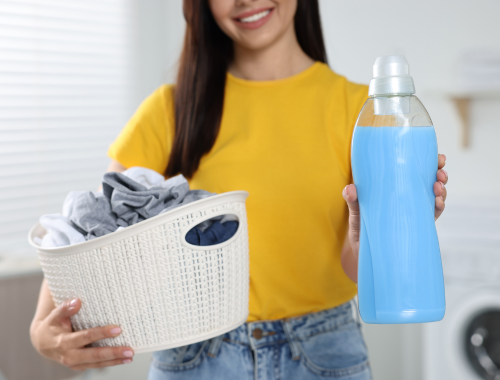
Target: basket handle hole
213,231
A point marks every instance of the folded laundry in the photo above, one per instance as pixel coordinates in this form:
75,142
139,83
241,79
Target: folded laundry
90,213
59,231
217,233
127,198
223,219
144,176
124,202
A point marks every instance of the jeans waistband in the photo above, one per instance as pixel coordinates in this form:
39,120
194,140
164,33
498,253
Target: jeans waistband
261,333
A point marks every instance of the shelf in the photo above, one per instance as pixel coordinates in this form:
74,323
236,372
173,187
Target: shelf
462,101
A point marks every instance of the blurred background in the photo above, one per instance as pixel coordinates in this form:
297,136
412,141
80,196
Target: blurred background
73,72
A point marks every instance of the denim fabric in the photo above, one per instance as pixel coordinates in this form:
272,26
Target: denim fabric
327,344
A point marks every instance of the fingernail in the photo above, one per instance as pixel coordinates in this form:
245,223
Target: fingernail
445,173
116,331
444,158
72,303
128,354
441,198
442,185
344,192
126,361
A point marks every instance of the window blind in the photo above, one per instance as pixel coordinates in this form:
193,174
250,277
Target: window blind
65,93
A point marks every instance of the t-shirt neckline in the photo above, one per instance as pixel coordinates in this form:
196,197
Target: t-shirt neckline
268,83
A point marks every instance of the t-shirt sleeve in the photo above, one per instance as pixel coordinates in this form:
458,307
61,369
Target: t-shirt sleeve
147,138
356,95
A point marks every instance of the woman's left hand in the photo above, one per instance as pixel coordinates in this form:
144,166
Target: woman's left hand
351,198
439,188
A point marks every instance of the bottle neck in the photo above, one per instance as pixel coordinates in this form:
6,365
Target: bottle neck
392,105
391,85
389,95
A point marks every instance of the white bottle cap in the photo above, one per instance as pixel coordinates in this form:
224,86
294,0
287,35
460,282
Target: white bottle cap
391,76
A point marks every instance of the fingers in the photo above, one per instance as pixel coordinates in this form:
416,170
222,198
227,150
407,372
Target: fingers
81,338
351,197
92,355
441,161
442,176
64,311
440,190
108,363
439,207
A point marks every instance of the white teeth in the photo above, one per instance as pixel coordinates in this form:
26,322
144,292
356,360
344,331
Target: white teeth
255,17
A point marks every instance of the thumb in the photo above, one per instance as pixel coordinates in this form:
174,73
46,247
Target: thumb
65,310
351,197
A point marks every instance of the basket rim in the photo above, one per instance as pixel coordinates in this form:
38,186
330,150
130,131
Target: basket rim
113,237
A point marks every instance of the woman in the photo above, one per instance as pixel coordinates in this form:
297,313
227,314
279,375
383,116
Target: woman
255,108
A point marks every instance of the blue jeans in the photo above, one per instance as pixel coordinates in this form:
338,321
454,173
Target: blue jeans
312,346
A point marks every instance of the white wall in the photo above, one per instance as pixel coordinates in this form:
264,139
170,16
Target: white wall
160,32
432,35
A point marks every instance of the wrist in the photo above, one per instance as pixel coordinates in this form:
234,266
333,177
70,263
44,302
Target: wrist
34,327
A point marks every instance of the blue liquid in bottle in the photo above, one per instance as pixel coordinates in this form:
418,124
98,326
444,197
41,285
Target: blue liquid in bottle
400,276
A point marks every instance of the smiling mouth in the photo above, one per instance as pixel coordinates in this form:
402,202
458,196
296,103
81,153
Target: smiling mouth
255,17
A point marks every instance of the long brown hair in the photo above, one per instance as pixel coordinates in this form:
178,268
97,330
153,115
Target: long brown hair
199,92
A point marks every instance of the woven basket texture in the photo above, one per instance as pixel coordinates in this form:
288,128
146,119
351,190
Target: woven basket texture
160,290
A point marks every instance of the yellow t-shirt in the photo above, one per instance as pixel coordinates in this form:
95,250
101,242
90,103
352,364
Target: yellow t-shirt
287,142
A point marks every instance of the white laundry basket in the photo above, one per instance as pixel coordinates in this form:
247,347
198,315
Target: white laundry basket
162,291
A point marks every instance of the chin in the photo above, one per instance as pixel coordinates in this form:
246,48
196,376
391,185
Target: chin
255,45
257,41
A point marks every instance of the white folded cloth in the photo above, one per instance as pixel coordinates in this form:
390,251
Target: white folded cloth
59,232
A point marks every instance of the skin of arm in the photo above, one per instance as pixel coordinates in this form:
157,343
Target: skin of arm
52,335
45,302
349,260
272,54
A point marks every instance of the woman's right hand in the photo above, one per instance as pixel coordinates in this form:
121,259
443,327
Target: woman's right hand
53,338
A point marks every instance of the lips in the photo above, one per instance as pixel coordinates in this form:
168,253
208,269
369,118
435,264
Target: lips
254,19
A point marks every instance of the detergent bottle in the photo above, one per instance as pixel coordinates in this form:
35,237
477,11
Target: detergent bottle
394,161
